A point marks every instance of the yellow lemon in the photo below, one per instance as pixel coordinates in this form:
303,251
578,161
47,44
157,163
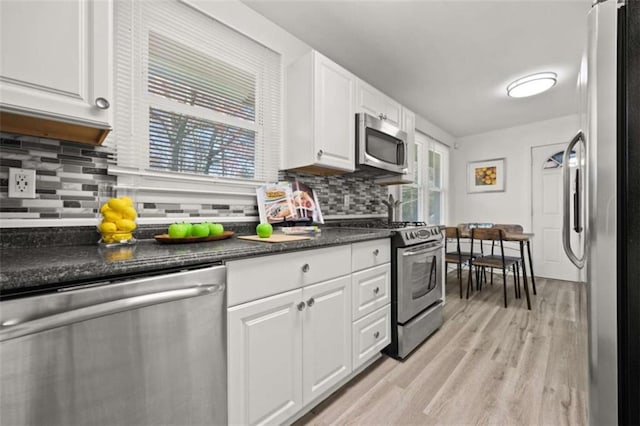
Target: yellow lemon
107,227
111,215
122,237
107,239
125,225
129,213
127,200
117,204
104,208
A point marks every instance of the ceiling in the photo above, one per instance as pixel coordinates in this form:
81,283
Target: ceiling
448,61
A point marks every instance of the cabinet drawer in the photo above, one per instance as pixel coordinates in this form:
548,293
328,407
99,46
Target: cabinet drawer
251,279
370,253
371,334
370,290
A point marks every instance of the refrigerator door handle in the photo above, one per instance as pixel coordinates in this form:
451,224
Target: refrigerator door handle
577,204
12,329
566,195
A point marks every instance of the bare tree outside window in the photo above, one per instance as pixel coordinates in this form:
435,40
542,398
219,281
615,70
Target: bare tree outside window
186,143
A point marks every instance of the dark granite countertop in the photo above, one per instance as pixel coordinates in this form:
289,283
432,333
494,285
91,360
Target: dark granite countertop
28,270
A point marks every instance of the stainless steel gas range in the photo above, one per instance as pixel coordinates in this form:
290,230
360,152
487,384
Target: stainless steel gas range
416,286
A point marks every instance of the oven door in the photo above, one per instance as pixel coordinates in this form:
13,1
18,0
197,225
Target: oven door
419,283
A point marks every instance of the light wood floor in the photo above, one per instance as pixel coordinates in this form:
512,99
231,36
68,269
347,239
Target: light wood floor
486,365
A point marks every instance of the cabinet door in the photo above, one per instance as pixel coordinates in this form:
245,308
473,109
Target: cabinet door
335,130
327,336
374,102
55,59
265,359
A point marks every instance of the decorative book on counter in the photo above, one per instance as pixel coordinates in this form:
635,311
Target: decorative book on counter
288,202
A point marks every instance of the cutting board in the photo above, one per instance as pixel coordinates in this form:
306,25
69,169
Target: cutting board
275,238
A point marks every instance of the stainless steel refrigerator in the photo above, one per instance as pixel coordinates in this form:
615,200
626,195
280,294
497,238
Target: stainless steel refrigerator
606,198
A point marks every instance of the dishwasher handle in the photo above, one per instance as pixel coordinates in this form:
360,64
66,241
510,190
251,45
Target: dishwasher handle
14,328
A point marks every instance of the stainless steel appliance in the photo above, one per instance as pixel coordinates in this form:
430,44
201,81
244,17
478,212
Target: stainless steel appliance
380,146
147,351
417,284
608,187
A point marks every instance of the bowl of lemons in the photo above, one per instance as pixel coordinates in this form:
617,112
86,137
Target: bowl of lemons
117,221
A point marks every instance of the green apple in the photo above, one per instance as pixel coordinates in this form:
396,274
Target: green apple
177,230
216,229
188,226
199,230
264,230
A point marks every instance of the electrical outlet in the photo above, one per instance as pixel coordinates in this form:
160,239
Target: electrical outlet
22,183
346,201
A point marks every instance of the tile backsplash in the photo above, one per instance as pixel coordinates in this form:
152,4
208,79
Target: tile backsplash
364,195
68,175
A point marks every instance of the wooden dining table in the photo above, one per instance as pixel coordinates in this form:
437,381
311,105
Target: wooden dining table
524,239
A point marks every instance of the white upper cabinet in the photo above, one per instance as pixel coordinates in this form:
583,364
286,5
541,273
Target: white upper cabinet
56,60
320,118
374,102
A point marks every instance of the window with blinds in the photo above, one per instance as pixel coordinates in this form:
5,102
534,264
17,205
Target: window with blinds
193,97
426,198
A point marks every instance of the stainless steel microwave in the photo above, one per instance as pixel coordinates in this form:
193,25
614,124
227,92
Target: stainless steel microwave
380,146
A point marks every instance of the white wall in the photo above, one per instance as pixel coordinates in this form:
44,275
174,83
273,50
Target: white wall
514,144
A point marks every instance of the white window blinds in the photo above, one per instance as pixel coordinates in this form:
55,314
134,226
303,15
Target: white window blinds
193,97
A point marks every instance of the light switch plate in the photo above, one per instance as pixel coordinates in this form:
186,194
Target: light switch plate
22,183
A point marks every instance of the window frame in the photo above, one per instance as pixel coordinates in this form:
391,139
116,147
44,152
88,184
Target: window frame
174,183
425,144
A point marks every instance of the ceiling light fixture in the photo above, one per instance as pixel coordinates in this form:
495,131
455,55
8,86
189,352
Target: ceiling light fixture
532,84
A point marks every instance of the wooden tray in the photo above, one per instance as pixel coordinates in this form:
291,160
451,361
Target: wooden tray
166,239
274,238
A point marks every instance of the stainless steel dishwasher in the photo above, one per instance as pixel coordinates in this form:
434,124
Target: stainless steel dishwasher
147,351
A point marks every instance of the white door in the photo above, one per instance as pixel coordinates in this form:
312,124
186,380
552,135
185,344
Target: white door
265,359
335,123
326,336
55,59
549,259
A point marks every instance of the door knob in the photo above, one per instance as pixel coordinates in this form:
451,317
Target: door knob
301,306
310,302
376,290
320,153
376,334
376,252
305,267
102,103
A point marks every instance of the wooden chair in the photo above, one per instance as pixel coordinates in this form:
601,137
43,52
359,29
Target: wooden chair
464,229
511,228
455,256
493,261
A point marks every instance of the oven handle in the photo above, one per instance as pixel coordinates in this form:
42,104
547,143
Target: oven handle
432,247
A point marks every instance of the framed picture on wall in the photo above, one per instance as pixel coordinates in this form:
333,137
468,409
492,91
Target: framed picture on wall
486,175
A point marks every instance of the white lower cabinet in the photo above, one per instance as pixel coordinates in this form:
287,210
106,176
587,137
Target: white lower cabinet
288,350
265,360
326,338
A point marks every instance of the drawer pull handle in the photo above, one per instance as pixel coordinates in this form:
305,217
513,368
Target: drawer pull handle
301,306
376,290
305,267
310,302
376,252
376,334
